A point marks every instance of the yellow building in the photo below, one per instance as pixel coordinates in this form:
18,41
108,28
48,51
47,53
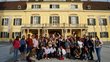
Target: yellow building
45,17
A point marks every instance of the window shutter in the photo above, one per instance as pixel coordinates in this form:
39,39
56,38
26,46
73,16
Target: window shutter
105,21
69,19
77,20
20,21
50,19
32,6
2,21
94,21
8,35
1,34
58,19
88,22
38,19
50,6
20,34
31,20
13,35
14,22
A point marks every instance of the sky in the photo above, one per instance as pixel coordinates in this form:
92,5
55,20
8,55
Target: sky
83,0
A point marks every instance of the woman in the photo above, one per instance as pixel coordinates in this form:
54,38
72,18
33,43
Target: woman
98,46
16,45
22,47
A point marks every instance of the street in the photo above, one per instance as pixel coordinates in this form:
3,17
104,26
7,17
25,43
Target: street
6,57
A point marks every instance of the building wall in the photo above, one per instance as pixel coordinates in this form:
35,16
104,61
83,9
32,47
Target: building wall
64,12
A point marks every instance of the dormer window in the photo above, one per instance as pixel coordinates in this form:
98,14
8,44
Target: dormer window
88,7
19,6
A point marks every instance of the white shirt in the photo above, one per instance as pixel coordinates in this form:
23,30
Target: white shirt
35,43
80,44
47,50
52,50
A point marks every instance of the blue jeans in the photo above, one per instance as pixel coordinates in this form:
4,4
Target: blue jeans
16,53
98,52
29,49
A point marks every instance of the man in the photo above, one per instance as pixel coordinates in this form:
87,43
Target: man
16,45
29,43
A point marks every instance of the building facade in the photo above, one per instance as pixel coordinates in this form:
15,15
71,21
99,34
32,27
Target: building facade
45,17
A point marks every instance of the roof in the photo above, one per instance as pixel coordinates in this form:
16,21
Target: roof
96,5
13,5
22,5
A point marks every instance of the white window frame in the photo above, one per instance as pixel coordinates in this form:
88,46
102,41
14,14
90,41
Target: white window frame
54,6
5,21
104,34
91,21
93,34
73,20
36,6
55,20
73,6
35,20
101,21
17,21
17,34
4,35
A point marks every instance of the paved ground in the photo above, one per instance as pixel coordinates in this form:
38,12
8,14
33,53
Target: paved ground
6,57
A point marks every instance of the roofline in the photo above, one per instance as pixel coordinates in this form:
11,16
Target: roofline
56,1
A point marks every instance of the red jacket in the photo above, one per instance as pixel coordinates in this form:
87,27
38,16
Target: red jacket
29,42
16,43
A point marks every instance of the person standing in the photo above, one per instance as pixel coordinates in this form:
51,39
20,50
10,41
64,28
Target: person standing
22,47
90,48
29,43
16,45
98,46
35,42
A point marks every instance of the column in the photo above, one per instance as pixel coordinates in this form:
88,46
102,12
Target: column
65,33
38,33
81,33
62,32
71,31
47,33
27,31
23,32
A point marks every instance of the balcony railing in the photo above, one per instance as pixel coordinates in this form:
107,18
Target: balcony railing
63,25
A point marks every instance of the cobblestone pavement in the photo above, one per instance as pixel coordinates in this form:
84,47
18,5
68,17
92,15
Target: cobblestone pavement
6,57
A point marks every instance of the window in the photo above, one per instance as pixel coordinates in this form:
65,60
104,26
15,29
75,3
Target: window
91,21
5,21
14,34
73,6
93,34
54,20
103,21
17,21
88,7
104,34
35,20
4,35
19,6
54,6
36,6
73,20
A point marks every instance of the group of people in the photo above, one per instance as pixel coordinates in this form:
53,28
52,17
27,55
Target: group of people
55,46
